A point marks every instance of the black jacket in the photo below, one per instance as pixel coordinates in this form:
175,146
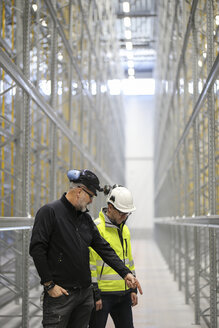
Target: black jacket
59,245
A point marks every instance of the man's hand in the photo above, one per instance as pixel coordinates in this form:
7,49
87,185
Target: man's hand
99,305
134,299
133,282
57,291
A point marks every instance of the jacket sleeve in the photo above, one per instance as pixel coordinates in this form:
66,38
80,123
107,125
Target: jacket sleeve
94,278
131,263
102,247
42,229
130,257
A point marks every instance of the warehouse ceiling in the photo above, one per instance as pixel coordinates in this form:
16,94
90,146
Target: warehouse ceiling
136,31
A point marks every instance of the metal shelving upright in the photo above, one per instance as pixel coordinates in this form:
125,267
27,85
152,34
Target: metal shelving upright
56,113
186,150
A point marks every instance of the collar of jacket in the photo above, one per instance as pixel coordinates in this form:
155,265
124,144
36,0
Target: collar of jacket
69,206
108,223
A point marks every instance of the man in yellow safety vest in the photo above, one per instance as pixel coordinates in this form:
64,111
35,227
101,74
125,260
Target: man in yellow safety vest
112,295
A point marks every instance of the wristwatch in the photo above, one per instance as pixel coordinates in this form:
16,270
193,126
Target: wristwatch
50,286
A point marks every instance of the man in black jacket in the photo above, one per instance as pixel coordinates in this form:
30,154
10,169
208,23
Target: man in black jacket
63,230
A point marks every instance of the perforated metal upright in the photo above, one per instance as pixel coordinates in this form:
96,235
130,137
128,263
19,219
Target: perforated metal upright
56,113
187,103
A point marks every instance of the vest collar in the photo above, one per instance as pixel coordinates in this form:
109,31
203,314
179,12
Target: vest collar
108,223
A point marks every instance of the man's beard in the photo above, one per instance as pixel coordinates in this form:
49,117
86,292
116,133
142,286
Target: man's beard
82,207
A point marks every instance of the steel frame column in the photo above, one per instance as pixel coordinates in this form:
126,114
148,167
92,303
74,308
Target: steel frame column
211,159
213,278
196,176
179,242
175,253
186,255
176,228
53,101
171,264
70,81
39,127
26,106
185,146
26,165
18,206
196,236
211,108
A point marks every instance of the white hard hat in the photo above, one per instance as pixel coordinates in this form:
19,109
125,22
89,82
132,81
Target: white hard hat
121,199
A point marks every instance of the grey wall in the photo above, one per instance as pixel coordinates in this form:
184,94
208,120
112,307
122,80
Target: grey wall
139,129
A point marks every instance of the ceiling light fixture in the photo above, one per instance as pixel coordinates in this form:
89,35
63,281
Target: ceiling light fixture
130,55
127,21
128,34
34,6
126,7
130,63
60,56
43,22
131,71
128,45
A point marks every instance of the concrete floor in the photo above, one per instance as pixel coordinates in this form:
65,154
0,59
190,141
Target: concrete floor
161,305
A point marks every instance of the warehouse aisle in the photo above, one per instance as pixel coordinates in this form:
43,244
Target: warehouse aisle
161,305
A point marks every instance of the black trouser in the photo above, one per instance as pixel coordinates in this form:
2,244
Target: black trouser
120,309
68,311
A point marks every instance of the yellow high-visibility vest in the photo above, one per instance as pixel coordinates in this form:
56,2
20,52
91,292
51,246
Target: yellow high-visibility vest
108,279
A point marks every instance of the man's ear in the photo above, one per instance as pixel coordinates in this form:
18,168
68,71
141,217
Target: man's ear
110,207
79,190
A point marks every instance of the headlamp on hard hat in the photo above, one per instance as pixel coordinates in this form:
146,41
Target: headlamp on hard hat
107,188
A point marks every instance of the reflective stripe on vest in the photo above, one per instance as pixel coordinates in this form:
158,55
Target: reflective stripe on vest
100,263
110,277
